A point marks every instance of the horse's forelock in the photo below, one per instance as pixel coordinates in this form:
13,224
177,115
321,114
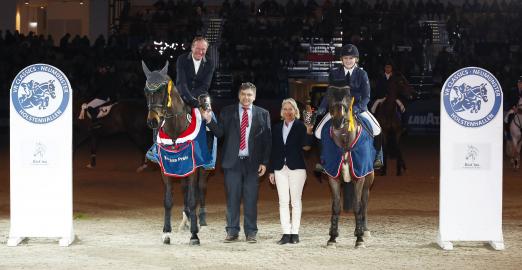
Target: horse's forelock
335,93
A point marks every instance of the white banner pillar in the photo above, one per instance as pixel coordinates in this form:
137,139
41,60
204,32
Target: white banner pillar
41,155
471,159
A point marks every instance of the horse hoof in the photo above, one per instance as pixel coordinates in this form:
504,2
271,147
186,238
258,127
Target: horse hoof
367,234
359,245
331,244
194,241
166,238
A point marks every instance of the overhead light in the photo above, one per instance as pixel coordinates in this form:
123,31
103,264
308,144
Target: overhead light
42,7
27,2
81,2
33,24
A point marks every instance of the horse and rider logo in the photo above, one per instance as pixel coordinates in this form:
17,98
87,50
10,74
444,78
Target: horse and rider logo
37,94
472,97
40,93
469,98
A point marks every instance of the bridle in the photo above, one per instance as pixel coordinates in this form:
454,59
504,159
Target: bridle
161,105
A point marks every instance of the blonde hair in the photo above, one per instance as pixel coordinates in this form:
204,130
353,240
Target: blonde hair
292,102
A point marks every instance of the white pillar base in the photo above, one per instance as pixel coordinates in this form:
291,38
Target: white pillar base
14,241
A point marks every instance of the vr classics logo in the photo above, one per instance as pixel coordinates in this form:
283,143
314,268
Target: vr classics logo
472,97
40,93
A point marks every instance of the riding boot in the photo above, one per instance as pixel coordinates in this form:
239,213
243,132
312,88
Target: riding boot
378,161
202,216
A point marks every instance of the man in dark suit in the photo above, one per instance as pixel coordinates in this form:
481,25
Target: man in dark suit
247,139
194,72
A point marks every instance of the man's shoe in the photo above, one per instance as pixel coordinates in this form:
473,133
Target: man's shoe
231,239
294,238
284,240
251,239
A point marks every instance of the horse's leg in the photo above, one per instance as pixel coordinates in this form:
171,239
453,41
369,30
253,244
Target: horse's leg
138,140
94,147
335,189
358,211
184,224
192,191
202,194
368,181
400,161
167,204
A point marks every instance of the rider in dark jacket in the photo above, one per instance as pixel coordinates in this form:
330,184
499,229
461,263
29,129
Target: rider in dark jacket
194,72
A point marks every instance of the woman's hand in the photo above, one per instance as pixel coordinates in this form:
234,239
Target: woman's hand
271,177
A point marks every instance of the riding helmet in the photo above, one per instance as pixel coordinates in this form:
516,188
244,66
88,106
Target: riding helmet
349,50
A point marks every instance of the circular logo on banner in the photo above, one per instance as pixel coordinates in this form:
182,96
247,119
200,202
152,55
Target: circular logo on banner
40,93
472,97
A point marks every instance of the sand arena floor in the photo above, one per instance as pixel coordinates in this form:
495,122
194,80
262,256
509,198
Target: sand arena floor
119,218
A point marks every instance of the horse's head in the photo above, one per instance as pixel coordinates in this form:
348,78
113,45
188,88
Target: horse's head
50,89
400,85
159,90
339,99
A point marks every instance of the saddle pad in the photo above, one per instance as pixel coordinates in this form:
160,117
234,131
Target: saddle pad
360,158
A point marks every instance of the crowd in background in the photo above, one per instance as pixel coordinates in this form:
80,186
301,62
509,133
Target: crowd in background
261,39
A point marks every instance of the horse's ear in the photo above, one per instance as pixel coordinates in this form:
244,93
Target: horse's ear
165,70
145,69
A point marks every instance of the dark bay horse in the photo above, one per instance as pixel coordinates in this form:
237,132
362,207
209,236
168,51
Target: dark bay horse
388,114
166,109
344,130
126,118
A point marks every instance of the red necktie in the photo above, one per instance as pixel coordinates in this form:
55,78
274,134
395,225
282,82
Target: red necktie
244,125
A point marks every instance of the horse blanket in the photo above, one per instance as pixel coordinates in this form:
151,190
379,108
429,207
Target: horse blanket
360,157
181,157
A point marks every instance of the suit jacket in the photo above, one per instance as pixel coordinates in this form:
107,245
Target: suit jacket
359,84
190,84
259,138
292,150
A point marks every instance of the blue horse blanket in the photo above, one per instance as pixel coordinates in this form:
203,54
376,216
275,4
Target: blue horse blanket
153,154
360,157
181,160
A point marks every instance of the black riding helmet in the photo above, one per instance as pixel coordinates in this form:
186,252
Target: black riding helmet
349,50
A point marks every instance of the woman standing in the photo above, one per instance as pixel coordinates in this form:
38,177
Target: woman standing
287,167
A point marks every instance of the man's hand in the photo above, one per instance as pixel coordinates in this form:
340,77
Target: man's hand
207,115
261,170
